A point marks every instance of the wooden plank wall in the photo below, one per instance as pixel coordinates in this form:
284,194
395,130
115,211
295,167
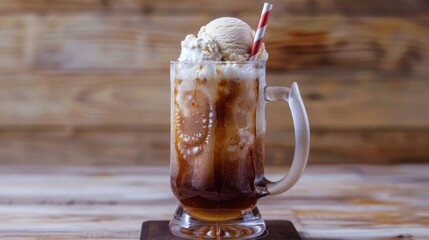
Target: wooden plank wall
87,82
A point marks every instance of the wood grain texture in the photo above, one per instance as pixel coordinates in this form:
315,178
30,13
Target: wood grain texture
151,146
75,119
331,202
48,5
112,42
224,7
93,41
395,45
16,45
142,99
76,67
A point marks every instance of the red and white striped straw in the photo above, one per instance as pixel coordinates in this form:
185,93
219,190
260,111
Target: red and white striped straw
260,32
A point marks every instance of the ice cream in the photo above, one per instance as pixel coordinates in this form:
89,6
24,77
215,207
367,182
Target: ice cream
223,39
199,49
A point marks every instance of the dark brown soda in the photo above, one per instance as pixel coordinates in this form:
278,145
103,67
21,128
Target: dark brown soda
235,184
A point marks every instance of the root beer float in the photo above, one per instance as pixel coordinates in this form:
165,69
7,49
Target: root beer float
218,97
217,155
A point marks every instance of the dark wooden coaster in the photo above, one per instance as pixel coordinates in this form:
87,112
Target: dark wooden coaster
276,230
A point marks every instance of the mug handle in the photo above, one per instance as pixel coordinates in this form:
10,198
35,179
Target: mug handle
302,134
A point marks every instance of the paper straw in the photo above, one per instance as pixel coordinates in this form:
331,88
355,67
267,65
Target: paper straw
260,32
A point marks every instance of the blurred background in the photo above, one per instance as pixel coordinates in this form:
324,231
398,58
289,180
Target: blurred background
87,81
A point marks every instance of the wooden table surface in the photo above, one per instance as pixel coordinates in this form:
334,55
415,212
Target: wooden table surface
329,202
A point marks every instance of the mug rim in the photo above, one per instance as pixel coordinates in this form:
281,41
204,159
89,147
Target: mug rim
218,62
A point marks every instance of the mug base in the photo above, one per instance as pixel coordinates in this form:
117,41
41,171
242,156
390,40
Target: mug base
249,225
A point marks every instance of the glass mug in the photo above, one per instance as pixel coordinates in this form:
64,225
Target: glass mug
217,147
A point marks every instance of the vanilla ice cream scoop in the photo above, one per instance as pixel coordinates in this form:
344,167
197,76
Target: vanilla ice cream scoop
223,39
233,36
